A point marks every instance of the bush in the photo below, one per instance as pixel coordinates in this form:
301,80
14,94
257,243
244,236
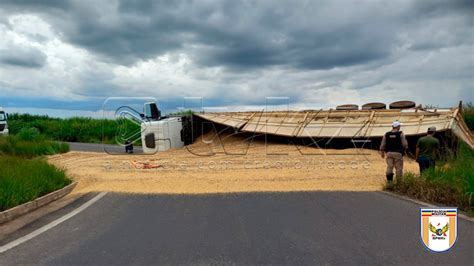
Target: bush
22,180
28,134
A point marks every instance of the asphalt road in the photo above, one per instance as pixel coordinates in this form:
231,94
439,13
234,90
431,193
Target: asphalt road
108,148
356,228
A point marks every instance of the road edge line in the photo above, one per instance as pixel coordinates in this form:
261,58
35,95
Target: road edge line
52,224
395,195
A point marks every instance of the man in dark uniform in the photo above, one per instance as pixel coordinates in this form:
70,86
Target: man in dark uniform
426,150
129,146
394,144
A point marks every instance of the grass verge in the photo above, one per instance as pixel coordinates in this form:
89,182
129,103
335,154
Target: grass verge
23,180
24,174
28,143
450,183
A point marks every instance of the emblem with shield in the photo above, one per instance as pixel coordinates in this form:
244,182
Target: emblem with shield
439,228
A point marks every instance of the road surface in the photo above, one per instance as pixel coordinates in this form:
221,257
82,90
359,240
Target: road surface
355,228
93,147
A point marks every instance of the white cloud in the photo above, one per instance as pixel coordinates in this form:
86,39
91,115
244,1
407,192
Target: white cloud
169,75
61,75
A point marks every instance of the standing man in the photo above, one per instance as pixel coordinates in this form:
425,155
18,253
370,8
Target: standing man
394,144
427,150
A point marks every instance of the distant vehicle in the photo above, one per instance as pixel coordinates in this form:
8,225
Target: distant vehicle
3,122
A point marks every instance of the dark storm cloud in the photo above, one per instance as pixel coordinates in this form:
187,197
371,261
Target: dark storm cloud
92,104
23,57
246,34
441,7
36,5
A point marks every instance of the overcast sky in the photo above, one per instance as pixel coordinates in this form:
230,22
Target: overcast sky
73,54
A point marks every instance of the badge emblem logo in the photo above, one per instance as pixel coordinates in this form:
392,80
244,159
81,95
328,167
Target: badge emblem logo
439,228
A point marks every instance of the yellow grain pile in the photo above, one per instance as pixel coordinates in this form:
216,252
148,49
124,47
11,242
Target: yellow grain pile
225,164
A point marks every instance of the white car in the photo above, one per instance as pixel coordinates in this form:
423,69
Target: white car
3,122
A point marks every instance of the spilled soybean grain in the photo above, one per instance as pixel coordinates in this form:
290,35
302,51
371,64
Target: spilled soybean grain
232,166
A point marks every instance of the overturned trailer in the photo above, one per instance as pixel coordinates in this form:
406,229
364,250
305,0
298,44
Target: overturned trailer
347,126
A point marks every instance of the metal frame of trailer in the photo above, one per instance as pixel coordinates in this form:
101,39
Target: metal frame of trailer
344,123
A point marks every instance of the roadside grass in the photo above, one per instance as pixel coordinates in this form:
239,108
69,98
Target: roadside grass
28,143
75,129
24,174
450,183
23,180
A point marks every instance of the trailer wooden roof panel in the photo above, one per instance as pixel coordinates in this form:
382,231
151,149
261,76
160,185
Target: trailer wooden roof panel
343,124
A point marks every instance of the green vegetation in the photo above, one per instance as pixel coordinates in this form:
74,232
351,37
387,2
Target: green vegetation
450,183
28,143
76,129
23,175
22,180
468,115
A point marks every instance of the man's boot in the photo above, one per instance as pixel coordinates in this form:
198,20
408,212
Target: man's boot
390,178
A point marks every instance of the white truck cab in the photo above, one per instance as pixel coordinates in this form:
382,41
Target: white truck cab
160,133
3,122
